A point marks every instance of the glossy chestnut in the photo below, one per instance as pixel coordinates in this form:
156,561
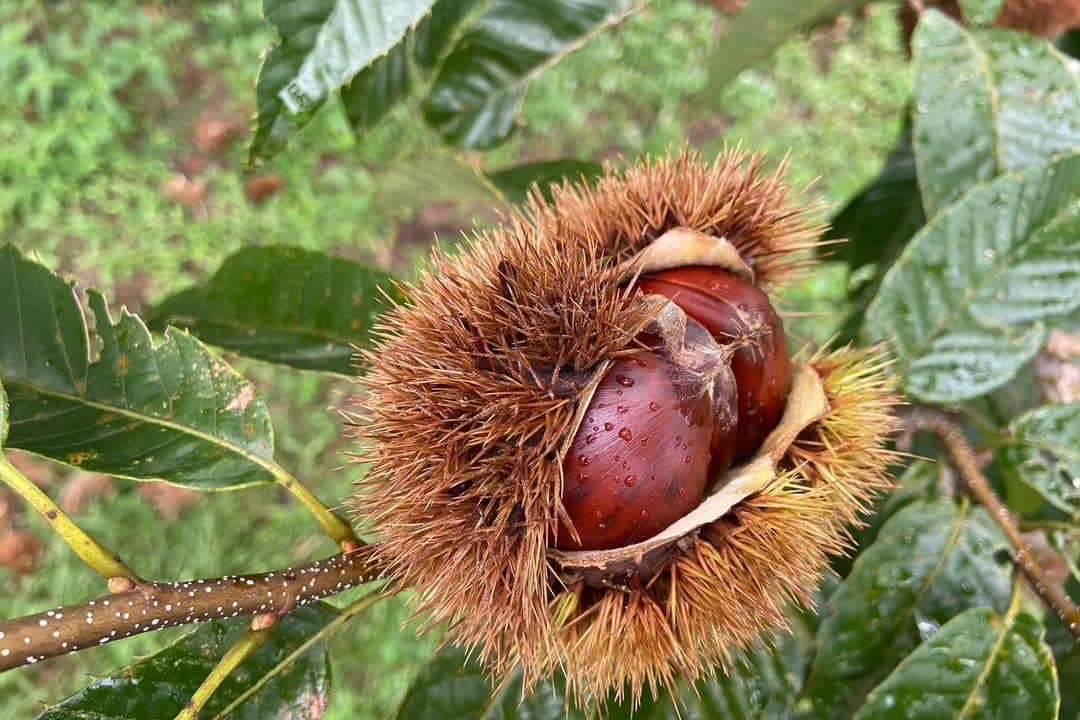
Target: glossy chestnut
736,312
640,459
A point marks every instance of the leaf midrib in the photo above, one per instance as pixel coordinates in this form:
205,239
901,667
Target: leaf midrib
959,520
991,659
267,465
963,303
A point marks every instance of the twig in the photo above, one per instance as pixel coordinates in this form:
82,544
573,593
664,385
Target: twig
146,606
332,524
97,556
244,646
962,456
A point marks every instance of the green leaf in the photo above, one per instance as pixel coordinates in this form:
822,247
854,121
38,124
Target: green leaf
878,222
979,666
477,93
763,682
980,12
453,687
1069,43
761,27
515,182
145,410
375,90
323,45
434,37
284,305
876,225
1043,455
962,304
921,480
987,102
1066,542
1067,659
159,685
437,175
932,560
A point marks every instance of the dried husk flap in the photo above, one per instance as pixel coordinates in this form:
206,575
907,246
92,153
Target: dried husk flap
807,403
680,247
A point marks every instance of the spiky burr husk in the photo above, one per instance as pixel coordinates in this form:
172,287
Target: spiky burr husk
478,383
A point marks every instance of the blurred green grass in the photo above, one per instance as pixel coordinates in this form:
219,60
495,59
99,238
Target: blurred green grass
98,115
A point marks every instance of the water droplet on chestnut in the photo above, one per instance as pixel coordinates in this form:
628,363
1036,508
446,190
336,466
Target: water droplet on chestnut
628,491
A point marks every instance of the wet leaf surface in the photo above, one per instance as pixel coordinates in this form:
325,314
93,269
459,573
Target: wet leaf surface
323,45
979,666
144,408
964,304
987,102
1044,455
932,560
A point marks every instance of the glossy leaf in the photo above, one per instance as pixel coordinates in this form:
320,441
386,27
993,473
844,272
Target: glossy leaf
476,95
1067,659
452,687
961,304
284,305
323,45
515,182
979,666
932,560
1043,454
142,408
763,683
921,480
438,32
374,91
980,12
987,102
761,27
158,686
1066,542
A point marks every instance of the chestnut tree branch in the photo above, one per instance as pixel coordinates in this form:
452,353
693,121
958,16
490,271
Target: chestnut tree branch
136,607
963,458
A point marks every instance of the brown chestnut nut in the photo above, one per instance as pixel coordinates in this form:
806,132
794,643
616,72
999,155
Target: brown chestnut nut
640,459
736,311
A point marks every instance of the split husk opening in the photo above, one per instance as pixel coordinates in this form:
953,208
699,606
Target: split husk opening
689,343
